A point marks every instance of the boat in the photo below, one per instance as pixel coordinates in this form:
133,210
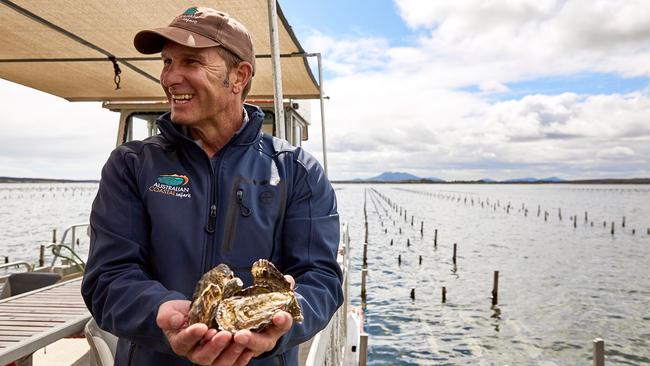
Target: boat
82,51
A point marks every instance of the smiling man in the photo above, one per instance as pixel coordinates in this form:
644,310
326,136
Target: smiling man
209,189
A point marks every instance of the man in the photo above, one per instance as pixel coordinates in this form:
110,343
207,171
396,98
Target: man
210,189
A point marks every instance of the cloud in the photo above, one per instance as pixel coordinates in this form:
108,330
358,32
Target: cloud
57,139
411,110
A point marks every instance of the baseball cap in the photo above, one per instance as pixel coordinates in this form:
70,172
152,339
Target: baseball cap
199,27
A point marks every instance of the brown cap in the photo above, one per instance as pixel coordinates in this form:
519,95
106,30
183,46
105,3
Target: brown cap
199,27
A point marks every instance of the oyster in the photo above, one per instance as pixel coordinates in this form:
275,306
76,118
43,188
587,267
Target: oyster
220,302
209,292
253,307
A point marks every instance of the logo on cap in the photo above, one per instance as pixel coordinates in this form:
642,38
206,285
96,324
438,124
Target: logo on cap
191,11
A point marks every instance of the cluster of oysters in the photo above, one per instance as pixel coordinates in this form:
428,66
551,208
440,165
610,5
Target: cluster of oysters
220,302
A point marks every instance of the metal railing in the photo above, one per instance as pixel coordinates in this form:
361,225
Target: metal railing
73,230
328,346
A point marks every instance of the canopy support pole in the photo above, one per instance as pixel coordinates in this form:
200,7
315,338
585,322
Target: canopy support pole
322,111
277,70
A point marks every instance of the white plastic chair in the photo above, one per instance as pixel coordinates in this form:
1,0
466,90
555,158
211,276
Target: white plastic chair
102,344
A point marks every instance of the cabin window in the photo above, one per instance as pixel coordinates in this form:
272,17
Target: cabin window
139,126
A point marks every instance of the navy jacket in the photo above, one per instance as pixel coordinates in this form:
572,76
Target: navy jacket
165,214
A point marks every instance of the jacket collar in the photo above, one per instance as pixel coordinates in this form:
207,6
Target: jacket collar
175,133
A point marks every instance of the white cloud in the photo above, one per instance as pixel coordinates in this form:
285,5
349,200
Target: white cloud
46,136
412,115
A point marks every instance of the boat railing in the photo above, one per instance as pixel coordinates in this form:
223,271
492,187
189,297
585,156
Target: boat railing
17,264
72,229
328,347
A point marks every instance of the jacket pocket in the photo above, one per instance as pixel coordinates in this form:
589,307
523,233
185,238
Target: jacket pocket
253,219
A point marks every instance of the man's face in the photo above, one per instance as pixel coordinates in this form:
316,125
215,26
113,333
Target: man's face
196,83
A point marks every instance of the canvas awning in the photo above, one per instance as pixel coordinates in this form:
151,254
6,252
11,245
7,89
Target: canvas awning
63,47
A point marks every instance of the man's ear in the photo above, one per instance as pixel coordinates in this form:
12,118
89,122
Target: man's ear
243,74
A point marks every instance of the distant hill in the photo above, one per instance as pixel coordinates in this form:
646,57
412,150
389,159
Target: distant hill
393,177
533,180
487,180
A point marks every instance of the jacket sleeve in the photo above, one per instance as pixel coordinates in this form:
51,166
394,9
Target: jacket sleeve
310,241
117,287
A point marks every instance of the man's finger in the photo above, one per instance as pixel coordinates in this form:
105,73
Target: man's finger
184,340
244,358
266,340
229,355
172,314
291,280
206,353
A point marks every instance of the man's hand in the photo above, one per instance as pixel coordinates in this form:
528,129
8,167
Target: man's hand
196,342
258,343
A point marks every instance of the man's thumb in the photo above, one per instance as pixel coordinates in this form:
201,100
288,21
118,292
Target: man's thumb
176,321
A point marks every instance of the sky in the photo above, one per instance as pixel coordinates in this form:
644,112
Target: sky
462,89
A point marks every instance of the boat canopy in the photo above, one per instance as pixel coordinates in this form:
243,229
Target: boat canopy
73,49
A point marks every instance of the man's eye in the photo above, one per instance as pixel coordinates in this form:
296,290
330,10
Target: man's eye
191,61
167,61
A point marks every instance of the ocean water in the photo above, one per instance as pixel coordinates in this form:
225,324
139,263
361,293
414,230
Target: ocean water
560,286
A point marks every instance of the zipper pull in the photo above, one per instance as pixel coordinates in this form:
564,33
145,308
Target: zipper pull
209,227
245,211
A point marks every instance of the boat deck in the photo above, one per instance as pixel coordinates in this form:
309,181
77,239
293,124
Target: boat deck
33,320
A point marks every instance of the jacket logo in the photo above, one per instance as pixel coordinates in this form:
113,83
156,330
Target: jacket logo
172,185
173,180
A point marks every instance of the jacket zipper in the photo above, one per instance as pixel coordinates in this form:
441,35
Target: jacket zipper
131,353
245,211
211,220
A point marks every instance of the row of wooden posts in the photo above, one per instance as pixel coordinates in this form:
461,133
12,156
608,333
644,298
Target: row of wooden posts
496,204
364,271
598,343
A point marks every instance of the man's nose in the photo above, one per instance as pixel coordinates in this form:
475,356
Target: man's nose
170,76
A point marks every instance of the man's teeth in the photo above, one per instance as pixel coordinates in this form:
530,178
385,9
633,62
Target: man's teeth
182,97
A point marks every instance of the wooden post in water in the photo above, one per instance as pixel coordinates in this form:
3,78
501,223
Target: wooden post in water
623,224
54,236
408,242
413,294
559,213
365,254
575,221
599,352
612,227
421,228
41,256
444,294
6,259
586,217
495,288
399,259
412,220
391,242
364,276
420,261
454,257
435,237
366,232
363,349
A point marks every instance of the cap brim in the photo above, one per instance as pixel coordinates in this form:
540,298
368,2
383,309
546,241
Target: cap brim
152,41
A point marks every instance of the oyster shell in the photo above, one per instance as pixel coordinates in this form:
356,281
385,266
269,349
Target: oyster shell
253,307
208,294
219,300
